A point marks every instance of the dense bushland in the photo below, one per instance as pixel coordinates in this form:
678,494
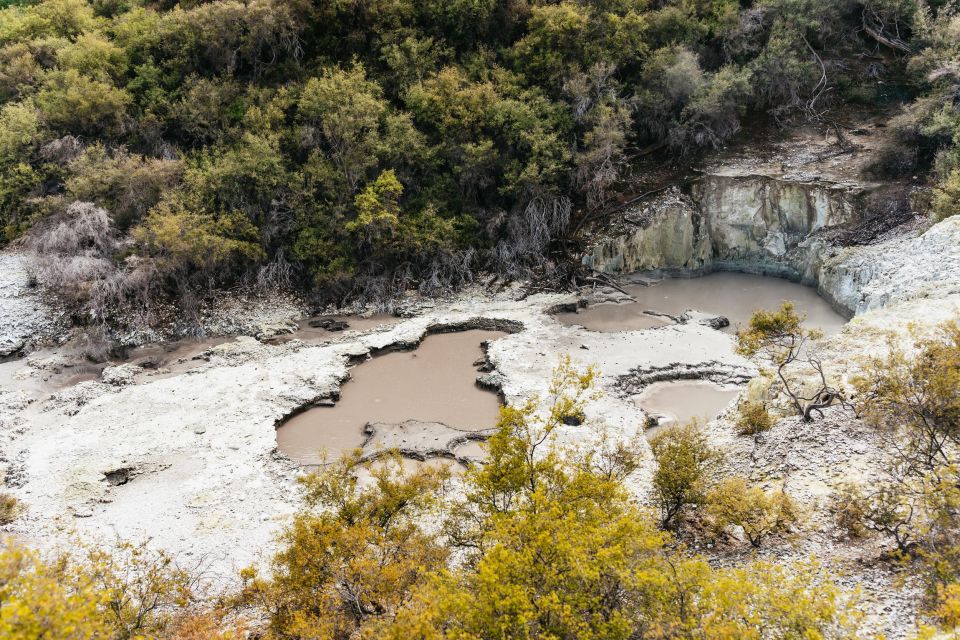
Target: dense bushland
361,148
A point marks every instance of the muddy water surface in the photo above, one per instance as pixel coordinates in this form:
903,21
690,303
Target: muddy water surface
609,317
734,295
435,383
685,400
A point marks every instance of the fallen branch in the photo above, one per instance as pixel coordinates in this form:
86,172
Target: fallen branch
893,43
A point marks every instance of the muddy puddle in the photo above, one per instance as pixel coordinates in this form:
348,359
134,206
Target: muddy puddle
684,400
733,295
434,383
611,316
54,369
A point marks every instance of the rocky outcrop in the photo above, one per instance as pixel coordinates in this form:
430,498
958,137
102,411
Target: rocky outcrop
752,222
668,233
904,267
777,225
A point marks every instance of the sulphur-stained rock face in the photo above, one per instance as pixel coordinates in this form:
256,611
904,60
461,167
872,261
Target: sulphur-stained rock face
669,234
730,221
755,220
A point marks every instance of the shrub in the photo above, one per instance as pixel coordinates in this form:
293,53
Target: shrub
685,464
915,399
126,185
185,241
758,513
886,508
81,104
353,554
9,508
753,418
946,199
850,510
73,250
131,591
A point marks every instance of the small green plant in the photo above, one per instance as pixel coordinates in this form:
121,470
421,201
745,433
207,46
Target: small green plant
736,503
9,508
753,419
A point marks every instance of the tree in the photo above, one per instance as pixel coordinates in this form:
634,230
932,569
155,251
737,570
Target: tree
130,591
145,589
946,200
126,185
81,104
354,552
560,551
915,399
43,600
377,210
95,57
342,115
780,337
18,130
685,465
192,248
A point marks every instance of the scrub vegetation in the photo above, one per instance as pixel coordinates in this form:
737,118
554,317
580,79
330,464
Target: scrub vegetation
542,542
154,151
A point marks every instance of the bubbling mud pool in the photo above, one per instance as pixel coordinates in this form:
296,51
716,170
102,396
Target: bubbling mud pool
733,295
434,383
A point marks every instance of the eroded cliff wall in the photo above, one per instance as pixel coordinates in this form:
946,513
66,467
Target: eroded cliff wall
760,223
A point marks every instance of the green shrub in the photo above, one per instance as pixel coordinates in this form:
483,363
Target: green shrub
946,197
753,418
685,465
9,508
759,513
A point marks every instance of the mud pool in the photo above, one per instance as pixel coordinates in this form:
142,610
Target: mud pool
434,383
683,401
733,295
